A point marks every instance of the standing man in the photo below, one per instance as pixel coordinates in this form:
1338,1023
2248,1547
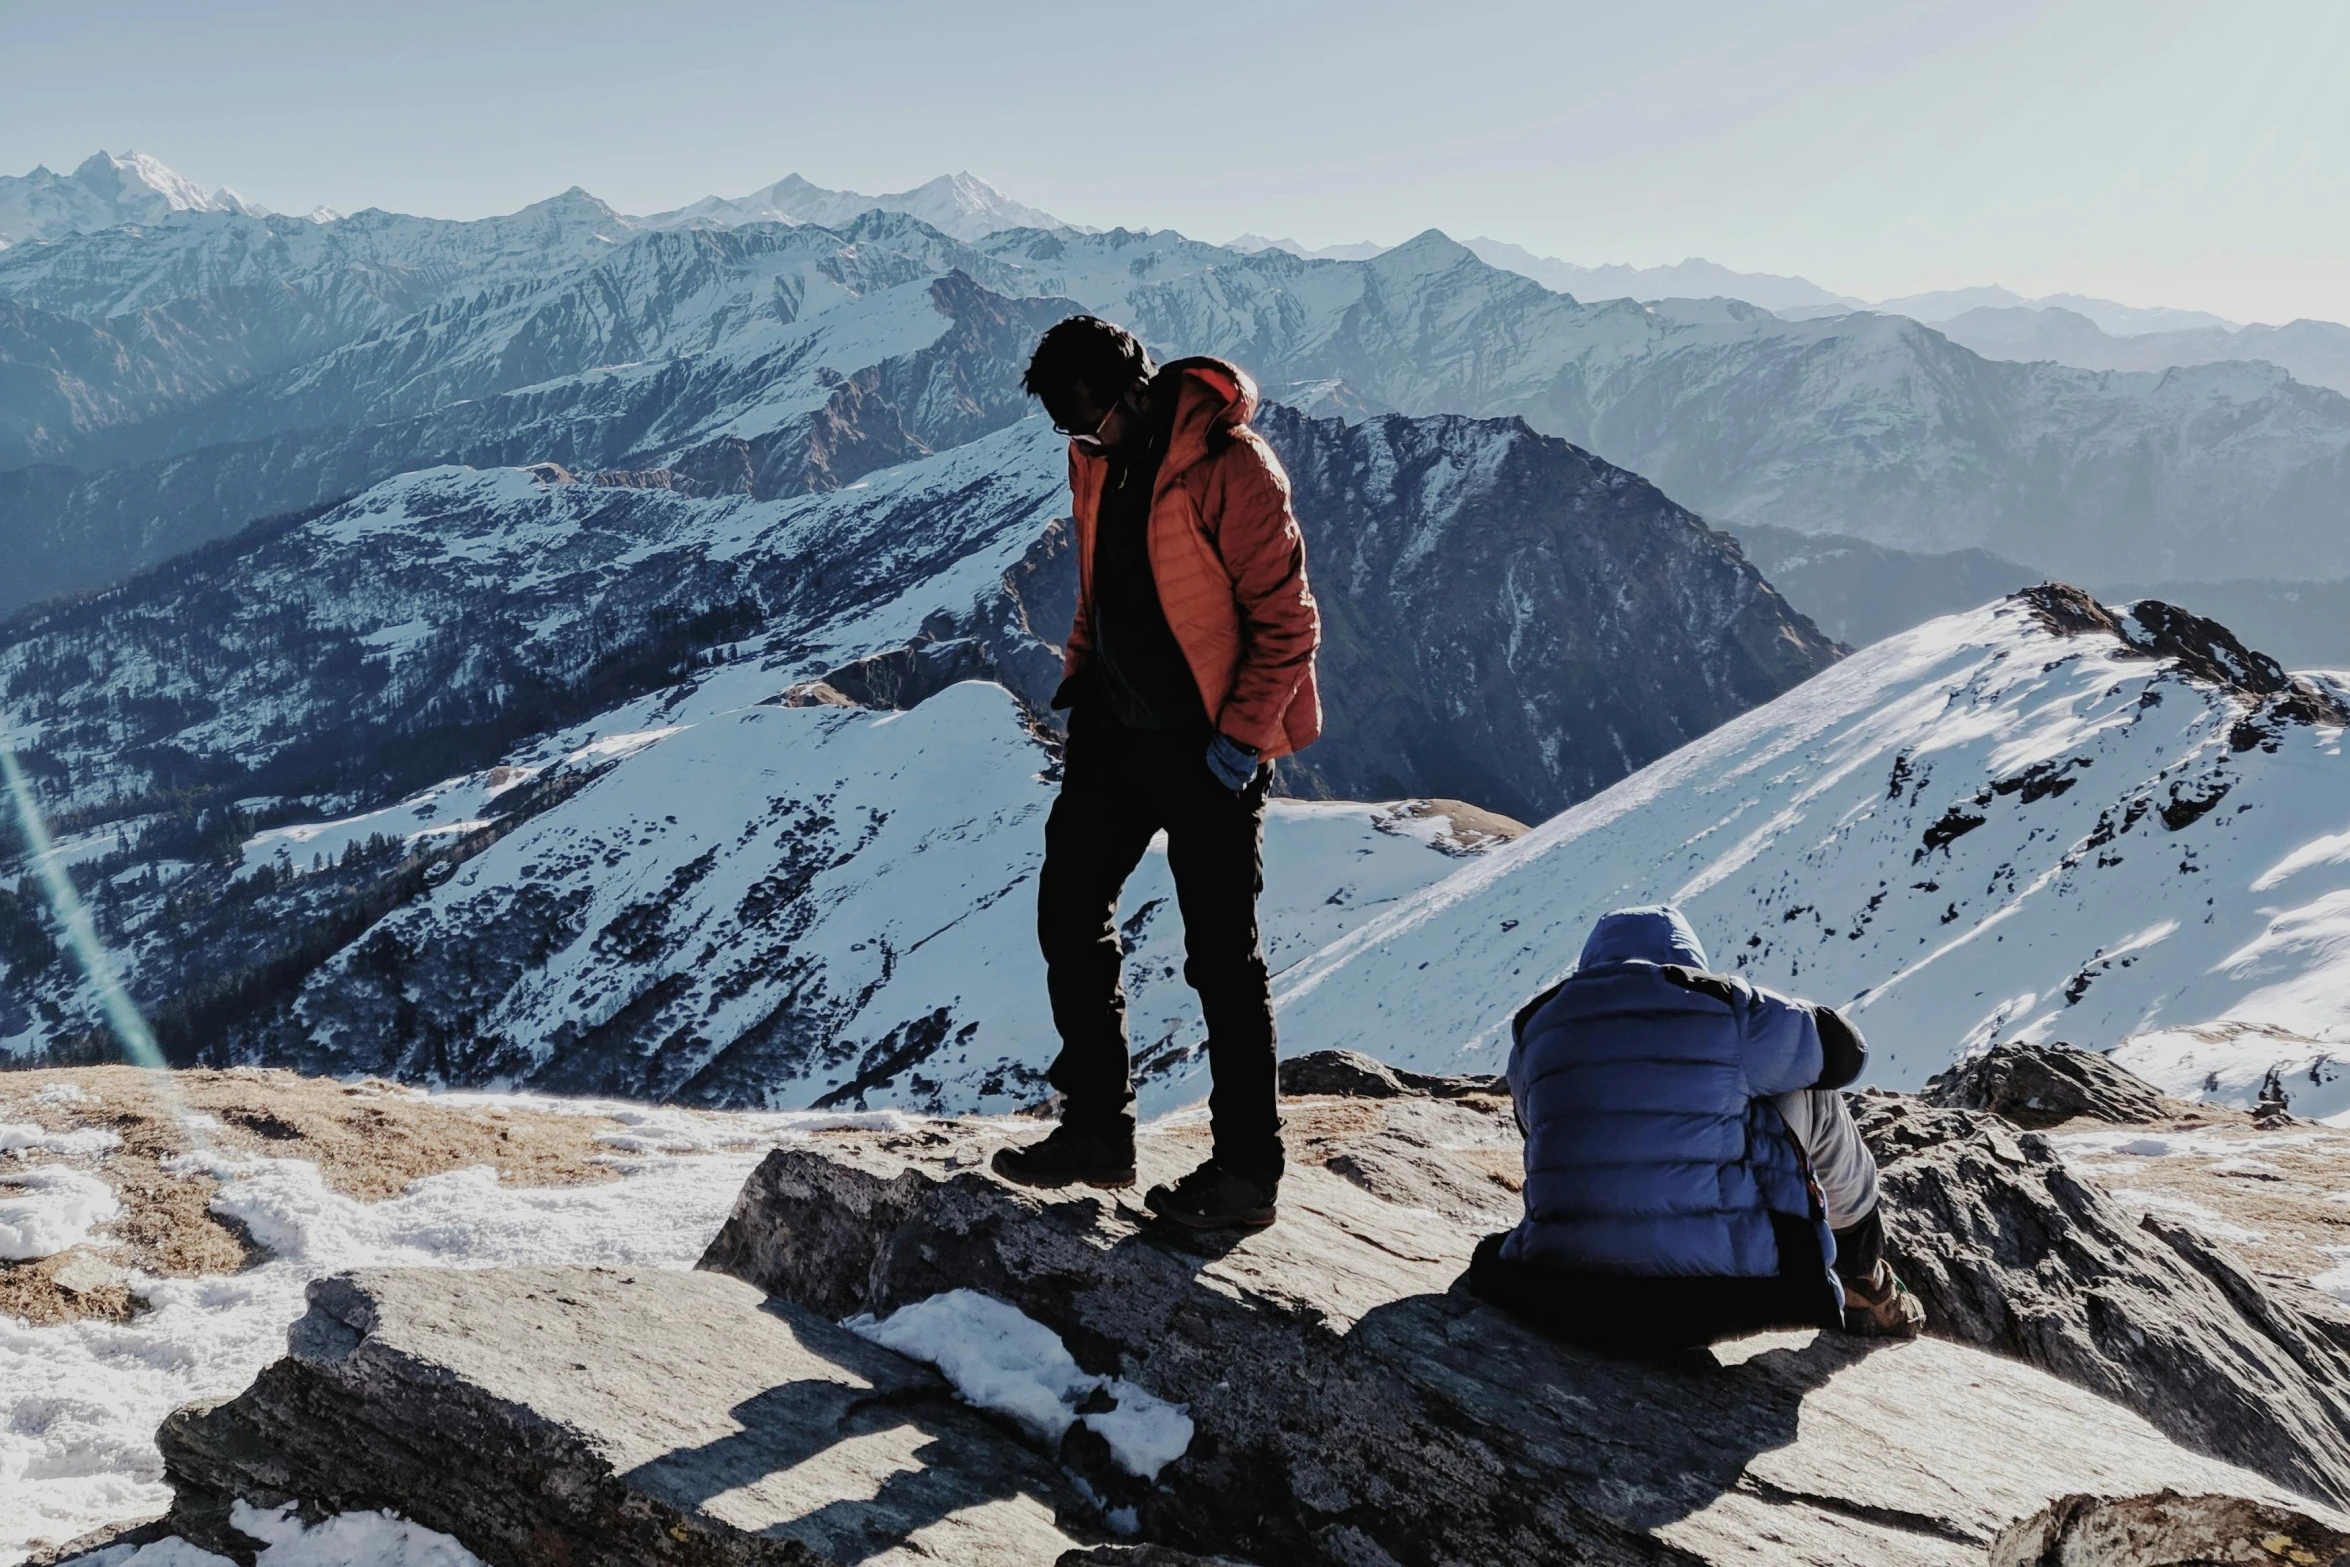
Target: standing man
1189,669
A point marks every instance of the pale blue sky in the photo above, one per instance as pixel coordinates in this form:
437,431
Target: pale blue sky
2155,151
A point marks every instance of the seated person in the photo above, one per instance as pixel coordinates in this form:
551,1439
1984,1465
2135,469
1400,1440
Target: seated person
1691,1171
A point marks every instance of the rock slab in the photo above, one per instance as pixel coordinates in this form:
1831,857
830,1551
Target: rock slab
1352,1407
592,1418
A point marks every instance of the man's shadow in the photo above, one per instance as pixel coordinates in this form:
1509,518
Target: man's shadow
1638,1440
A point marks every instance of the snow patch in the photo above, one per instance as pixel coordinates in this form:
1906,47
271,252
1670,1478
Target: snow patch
80,1401
1000,1358
48,1209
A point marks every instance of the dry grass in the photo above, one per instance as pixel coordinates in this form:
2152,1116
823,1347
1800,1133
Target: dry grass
2287,1193
369,1140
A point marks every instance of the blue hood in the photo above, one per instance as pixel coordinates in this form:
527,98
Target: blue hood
1656,935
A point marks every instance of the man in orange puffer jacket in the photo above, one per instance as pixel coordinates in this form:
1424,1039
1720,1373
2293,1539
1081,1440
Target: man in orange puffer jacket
1189,669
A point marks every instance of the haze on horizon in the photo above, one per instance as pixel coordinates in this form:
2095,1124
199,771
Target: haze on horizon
2151,151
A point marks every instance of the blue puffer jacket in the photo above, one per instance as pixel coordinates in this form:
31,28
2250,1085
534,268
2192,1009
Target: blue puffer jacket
1643,1084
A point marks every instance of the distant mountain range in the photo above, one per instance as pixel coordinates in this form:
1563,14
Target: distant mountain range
961,205
169,382
2314,352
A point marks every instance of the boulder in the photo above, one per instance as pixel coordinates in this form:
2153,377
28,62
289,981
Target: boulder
2039,1086
2168,1530
607,1419
1352,1404
1351,1074
2011,1251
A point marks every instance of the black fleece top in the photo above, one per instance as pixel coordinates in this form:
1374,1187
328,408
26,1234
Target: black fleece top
1144,677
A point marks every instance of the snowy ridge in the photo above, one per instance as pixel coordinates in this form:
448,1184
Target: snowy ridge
1981,829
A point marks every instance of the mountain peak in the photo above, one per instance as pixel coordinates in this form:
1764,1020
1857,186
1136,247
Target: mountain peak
1430,250
105,190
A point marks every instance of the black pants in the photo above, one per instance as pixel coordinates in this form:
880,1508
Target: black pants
1643,1314
1119,786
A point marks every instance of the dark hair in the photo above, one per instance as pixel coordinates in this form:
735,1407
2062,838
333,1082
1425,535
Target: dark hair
1104,357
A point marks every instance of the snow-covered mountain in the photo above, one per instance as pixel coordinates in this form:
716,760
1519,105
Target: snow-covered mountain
962,205
103,192
216,368
362,755
2315,352
2040,820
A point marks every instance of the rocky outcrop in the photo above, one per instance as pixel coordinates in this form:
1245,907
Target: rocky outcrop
605,1419
2013,1252
2168,1530
2201,648
2039,1086
1348,1401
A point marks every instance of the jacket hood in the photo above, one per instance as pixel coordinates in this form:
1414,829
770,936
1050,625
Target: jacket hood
1659,934
1211,397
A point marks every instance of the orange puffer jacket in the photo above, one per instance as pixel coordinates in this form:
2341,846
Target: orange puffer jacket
1228,559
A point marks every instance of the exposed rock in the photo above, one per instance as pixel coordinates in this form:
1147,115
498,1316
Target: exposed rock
2038,1086
2168,1530
2202,648
586,1416
75,1552
1459,827
1349,1074
2012,1251
1351,1405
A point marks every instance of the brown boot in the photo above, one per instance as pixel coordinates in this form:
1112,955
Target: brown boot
1881,1306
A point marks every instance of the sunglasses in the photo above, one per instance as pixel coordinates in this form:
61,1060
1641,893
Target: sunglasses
1090,438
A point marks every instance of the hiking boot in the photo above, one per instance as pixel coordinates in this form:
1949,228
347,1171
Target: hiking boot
1881,1306
1071,1154
1214,1198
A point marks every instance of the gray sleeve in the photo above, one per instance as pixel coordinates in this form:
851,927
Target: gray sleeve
1840,1161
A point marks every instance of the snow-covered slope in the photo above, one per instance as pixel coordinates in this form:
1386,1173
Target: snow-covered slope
104,191
2035,821
261,751
788,906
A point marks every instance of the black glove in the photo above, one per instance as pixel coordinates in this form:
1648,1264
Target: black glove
1700,981
1234,764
